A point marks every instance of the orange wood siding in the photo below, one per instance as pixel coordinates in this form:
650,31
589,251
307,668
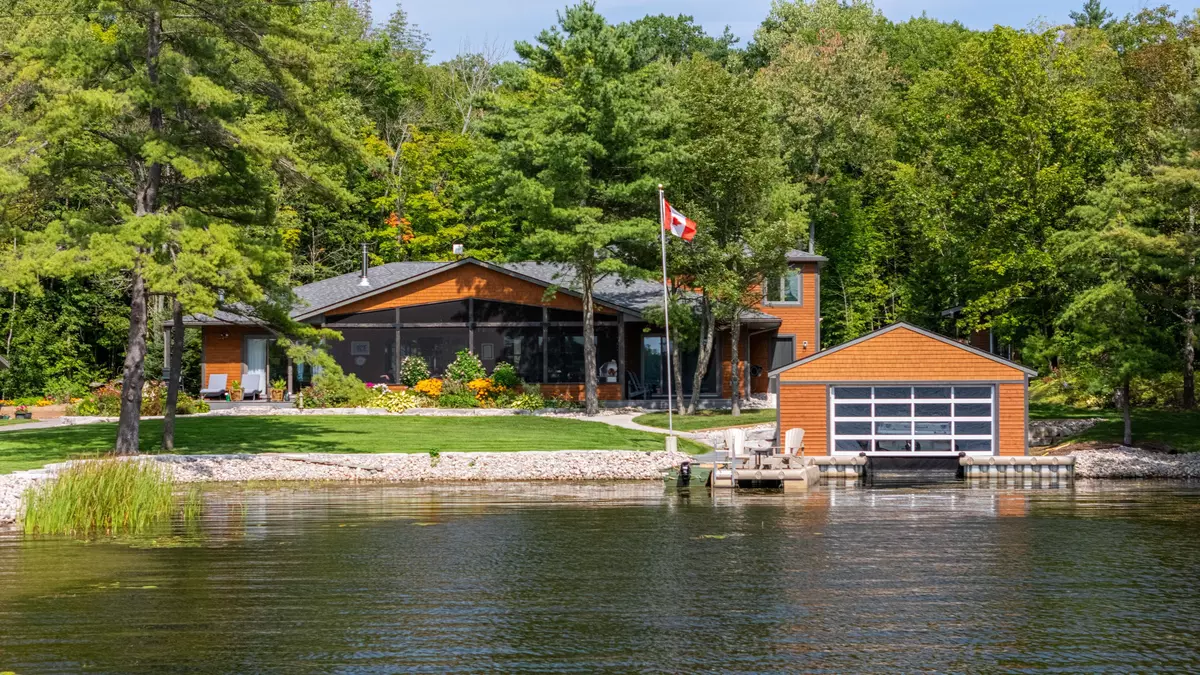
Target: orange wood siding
804,406
223,355
604,391
1012,431
468,281
902,355
799,320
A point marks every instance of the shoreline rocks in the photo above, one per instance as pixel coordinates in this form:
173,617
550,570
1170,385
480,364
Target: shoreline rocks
1122,462
562,465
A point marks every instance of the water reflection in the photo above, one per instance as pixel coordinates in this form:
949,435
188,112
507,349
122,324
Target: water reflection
622,578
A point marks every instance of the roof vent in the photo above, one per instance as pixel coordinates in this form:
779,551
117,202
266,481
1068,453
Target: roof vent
363,281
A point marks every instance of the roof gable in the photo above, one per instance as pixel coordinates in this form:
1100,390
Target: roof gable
901,353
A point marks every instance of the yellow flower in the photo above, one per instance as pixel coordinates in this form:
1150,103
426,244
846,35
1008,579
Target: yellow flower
431,387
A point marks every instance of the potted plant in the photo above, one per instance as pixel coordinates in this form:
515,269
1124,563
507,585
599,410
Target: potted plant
24,413
235,390
278,387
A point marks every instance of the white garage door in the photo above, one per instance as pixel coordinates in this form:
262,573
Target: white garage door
923,418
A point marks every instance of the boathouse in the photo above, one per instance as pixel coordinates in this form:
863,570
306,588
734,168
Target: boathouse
905,392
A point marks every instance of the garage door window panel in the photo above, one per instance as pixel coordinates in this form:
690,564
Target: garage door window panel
920,418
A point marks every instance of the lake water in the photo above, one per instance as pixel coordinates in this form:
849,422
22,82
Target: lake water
623,578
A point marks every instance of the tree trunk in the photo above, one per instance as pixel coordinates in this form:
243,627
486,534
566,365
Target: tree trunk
735,380
677,360
147,203
591,404
133,376
1127,412
708,330
1189,321
173,382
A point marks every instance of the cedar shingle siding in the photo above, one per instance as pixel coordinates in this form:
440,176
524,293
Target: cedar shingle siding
900,354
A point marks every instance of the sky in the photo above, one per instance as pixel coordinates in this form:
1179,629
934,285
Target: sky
451,24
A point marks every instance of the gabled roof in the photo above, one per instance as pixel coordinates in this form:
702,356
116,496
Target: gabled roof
887,329
320,297
798,255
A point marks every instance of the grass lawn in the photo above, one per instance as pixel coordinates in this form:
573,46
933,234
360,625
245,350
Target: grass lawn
1176,428
10,422
334,433
708,419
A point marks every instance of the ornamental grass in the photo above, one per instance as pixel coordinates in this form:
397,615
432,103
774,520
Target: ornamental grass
113,496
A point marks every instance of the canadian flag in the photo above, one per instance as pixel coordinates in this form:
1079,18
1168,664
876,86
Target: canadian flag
678,224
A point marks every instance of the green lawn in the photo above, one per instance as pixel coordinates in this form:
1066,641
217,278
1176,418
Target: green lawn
334,433
708,419
10,421
1053,411
1175,428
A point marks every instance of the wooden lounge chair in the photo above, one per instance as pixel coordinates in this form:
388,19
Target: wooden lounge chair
216,386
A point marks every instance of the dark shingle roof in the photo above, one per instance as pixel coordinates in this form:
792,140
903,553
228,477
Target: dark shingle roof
797,255
634,296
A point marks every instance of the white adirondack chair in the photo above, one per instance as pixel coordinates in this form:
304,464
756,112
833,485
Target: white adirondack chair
793,442
735,444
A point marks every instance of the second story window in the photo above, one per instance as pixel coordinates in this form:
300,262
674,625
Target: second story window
787,288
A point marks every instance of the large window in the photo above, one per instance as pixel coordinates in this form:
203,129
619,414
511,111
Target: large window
787,288
368,353
436,345
565,347
654,368
521,347
934,418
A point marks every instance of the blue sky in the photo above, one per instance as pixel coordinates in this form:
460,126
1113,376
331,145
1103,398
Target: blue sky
451,23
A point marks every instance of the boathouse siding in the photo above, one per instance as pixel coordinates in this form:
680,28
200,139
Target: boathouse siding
902,360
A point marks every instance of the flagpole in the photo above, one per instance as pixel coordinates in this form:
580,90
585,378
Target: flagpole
662,236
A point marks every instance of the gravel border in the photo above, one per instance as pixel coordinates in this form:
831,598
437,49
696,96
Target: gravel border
1126,462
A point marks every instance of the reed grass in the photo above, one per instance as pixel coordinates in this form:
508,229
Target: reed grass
112,496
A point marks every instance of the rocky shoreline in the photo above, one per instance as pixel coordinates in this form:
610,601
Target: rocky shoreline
567,465
563,465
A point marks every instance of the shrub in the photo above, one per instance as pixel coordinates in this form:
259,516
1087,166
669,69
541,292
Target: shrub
505,375
466,367
529,402
563,401
457,397
485,391
413,370
186,405
335,389
110,496
395,401
105,401
430,387
62,390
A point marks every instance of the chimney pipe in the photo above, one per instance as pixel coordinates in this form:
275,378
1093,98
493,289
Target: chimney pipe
363,280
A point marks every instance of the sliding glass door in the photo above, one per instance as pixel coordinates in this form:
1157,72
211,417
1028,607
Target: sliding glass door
654,368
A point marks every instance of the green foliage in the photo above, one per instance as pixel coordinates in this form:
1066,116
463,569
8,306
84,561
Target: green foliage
505,375
395,401
100,497
333,388
413,369
465,368
457,399
527,401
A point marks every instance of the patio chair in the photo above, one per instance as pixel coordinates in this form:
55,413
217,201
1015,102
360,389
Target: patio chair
216,386
252,386
793,442
635,386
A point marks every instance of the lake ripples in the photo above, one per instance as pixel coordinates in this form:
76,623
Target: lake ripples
622,578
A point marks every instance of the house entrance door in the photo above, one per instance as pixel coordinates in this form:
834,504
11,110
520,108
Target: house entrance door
254,381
